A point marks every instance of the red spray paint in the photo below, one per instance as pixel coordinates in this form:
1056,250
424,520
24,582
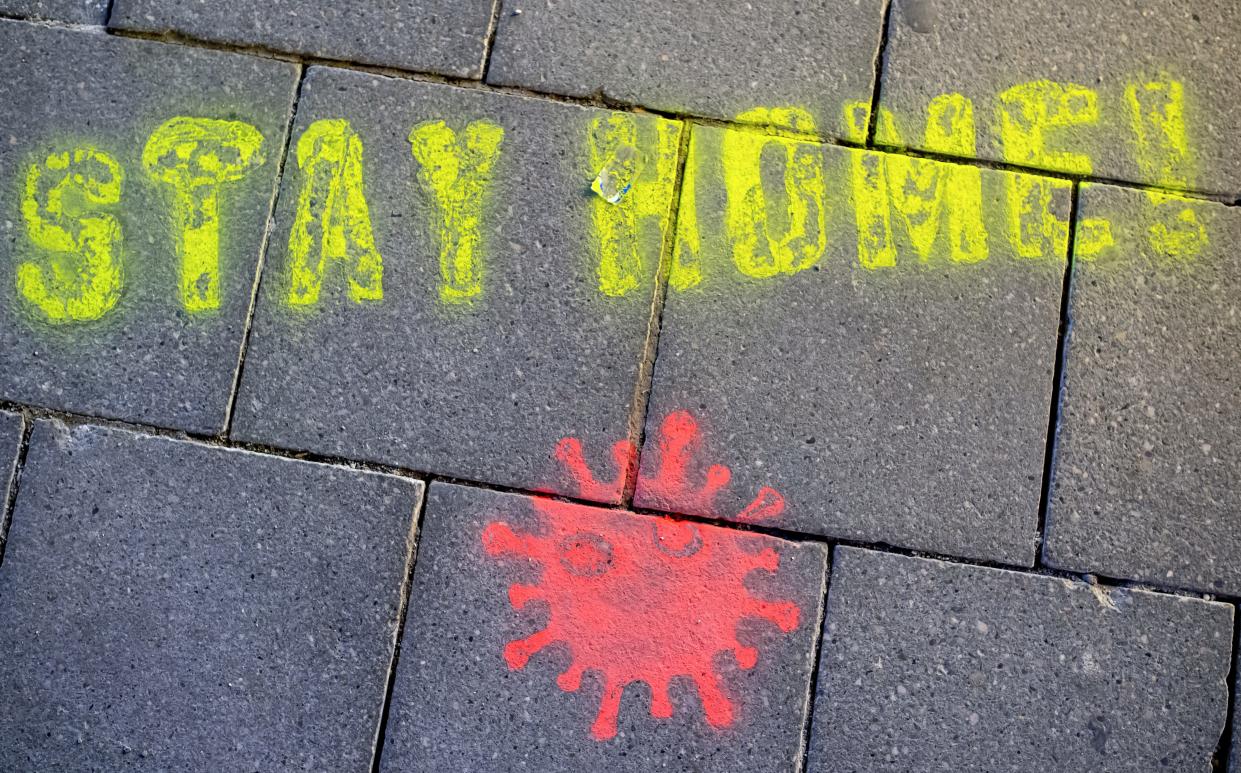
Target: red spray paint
639,599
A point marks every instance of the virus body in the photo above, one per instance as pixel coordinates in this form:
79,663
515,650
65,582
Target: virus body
641,599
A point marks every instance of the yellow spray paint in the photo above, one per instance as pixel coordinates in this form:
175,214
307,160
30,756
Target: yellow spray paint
923,193
1029,112
1034,229
1182,236
457,171
638,194
1093,238
761,249
686,269
196,156
1157,115
333,221
79,278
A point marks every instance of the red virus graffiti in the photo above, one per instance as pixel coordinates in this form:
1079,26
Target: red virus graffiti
639,599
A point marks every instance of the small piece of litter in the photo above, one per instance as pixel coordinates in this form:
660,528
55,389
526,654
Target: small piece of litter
617,175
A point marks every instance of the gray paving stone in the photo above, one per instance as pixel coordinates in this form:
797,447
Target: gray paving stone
97,313
443,36
904,403
933,666
1122,119
482,343
710,59
646,600
1149,448
75,11
172,606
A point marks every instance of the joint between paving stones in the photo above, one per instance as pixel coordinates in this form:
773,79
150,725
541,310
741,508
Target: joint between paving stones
1221,761
872,120
1063,333
33,413
10,501
407,585
641,402
489,42
816,652
234,391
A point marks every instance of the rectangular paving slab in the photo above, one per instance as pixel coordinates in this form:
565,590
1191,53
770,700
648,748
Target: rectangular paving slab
711,59
890,388
1142,91
550,636
442,36
1149,448
444,291
75,11
166,605
928,665
138,178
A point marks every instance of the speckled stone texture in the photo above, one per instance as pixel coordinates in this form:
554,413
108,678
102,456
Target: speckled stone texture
904,404
441,36
1149,452
929,665
712,59
457,705
980,49
171,606
482,389
74,11
148,359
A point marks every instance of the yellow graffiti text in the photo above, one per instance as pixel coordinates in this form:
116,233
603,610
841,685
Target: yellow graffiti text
196,156
333,221
633,190
78,278
458,173
763,247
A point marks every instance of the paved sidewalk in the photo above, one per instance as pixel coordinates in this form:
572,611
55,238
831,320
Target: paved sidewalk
554,385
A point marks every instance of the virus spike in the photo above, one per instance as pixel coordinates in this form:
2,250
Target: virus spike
520,595
767,505
609,709
717,478
676,438
783,613
571,679
517,653
767,559
499,538
624,453
569,452
715,704
747,657
661,705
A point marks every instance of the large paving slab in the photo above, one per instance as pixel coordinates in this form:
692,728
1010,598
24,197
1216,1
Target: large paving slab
467,346
628,605
442,36
928,665
1144,91
1149,448
892,389
74,11
171,606
711,59
125,281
